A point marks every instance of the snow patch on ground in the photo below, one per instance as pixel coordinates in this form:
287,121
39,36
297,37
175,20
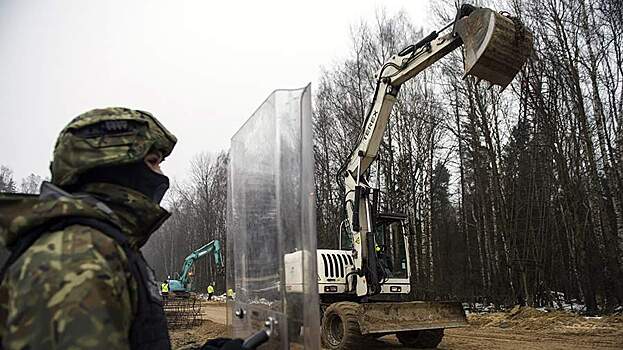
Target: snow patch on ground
556,301
215,298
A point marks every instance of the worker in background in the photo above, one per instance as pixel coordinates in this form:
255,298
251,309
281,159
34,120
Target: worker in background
210,291
230,294
76,278
164,289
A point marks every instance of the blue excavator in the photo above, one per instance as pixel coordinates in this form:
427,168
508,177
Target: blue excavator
182,285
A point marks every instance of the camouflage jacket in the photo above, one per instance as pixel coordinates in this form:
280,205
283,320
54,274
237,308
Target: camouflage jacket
71,289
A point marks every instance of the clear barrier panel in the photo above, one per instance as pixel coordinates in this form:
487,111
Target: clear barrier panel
271,232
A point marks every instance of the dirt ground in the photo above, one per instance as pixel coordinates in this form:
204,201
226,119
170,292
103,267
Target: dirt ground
529,329
524,328
212,326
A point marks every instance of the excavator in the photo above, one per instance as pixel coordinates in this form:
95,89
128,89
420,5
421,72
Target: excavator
362,286
181,286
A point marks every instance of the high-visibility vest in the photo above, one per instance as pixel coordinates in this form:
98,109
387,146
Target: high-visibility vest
210,289
230,292
164,287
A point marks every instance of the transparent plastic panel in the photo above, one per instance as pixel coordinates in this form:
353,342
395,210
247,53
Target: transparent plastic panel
271,224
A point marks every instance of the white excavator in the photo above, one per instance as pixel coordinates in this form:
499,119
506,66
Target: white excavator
363,284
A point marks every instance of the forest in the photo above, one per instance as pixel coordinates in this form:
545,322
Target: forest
512,197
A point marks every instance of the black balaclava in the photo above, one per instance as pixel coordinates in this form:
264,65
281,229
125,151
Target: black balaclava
137,176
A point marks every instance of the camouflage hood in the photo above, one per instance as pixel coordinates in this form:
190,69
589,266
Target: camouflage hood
136,215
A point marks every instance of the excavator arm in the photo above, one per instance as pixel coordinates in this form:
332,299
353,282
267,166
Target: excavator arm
213,247
495,49
393,74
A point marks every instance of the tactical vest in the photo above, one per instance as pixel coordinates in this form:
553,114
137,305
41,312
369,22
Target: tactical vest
149,326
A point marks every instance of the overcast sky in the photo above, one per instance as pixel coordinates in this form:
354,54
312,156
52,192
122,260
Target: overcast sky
202,67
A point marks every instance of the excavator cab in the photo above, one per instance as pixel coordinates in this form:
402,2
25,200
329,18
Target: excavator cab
495,45
390,247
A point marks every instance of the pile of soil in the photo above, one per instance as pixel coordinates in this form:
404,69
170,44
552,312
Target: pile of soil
195,337
527,318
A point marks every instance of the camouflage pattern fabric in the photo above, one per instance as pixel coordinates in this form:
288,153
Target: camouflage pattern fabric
104,137
71,289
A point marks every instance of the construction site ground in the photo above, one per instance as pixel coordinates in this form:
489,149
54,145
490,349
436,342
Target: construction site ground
524,328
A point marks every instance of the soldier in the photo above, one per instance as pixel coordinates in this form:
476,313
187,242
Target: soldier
76,278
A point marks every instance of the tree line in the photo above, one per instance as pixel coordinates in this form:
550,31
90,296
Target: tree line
198,209
29,184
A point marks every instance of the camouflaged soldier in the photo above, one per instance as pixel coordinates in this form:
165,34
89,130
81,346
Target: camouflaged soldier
76,279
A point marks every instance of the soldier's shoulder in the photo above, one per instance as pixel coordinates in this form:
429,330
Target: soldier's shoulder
80,240
74,249
69,280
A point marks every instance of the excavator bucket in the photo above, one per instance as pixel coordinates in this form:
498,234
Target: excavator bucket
495,46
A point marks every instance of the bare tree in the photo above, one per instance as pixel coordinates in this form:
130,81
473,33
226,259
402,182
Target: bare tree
7,183
31,183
